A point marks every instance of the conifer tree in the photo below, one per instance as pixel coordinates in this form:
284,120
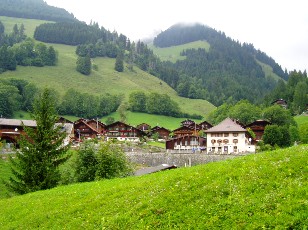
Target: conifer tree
119,64
41,150
84,65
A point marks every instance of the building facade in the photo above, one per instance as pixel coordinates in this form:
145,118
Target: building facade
228,137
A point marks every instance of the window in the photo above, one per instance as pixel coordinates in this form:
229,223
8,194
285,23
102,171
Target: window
235,148
226,134
226,141
235,141
235,134
219,149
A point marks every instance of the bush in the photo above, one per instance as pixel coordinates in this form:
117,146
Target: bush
86,162
112,162
95,162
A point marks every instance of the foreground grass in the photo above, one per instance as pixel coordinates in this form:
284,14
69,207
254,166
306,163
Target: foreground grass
5,173
266,190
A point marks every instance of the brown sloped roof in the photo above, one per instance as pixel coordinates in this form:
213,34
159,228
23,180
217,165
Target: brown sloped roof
16,122
227,125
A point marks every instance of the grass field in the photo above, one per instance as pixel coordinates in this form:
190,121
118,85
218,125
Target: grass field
268,70
30,24
260,191
173,53
301,120
104,80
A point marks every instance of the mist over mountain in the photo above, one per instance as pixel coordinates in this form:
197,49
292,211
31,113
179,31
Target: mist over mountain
229,70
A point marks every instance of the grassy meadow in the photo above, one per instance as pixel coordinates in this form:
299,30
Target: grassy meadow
104,80
259,191
30,24
301,120
173,53
268,70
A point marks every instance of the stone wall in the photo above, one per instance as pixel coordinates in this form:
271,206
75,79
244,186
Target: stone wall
180,160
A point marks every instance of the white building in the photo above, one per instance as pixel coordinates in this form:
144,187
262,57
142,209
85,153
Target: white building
228,137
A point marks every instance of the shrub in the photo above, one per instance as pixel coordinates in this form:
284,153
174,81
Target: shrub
112,162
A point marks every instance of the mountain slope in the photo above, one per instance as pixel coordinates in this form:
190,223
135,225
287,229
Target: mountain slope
226,71
265,190
104,80
33,9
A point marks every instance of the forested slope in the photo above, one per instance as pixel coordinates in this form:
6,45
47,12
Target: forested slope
228,71
35,9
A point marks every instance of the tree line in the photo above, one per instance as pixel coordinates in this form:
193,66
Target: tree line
18,95
88,106
17,49
154,103
294,91
33,9
72,33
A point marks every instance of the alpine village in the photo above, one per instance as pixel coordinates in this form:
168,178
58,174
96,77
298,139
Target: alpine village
188,130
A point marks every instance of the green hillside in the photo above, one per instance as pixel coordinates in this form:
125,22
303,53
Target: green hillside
269,71
30,24
173,53
260,191
104,80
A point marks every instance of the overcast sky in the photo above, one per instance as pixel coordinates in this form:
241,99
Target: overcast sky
277,27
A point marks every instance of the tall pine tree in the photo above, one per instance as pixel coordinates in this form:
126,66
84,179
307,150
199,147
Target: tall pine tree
119,64
41,150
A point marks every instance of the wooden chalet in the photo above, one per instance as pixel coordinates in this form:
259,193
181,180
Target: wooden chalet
64,120
11,129
163,133
188,123
204,125
123,131
97,125
258,127
82,130
283,103
185,131
189,142
144,127
189,127
68,128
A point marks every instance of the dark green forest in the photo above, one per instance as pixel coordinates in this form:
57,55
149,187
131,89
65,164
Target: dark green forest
227,72
33,9
294,91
